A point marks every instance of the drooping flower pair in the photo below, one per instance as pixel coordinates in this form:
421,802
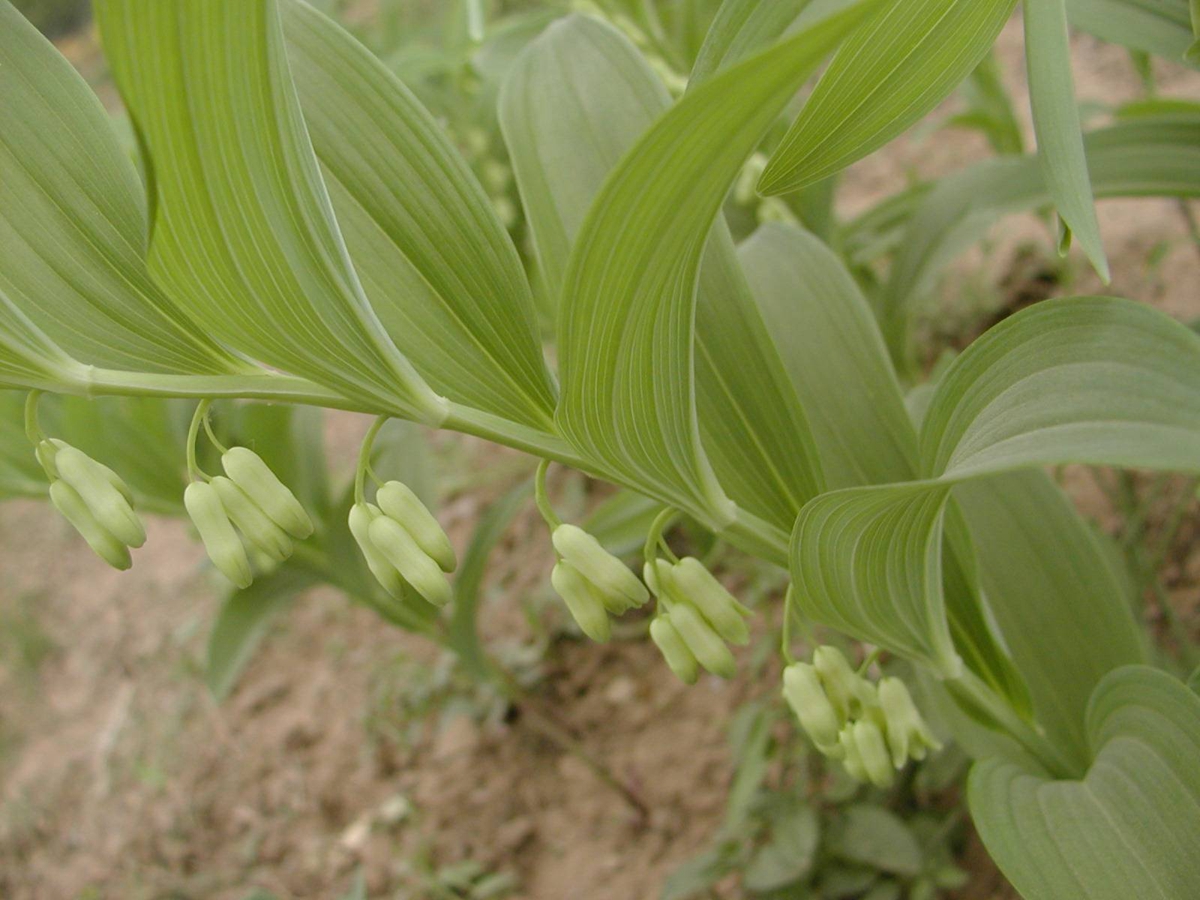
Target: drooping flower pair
248,499
94,499
873,729
403,543
697,619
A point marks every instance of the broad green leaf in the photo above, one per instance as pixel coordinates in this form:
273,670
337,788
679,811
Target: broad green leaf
243,621
575,102
1047,582
1152,26
1058,128
1128,827
28,358
626,335
435,262
868,561
243,230
73,228
1088,379
839,366
741,28
831,346
790,853
892,71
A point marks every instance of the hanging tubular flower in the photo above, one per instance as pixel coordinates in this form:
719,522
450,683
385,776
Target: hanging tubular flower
361,517
583,601
398,547
397,501
254,524
248,471
68,502
873,730
94,499
908,735
806,696
706,645
675,651
617,586
703,614
221,541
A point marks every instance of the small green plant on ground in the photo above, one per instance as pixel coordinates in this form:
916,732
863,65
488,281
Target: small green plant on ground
301,231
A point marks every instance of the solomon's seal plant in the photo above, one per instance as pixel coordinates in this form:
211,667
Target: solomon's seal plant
301,231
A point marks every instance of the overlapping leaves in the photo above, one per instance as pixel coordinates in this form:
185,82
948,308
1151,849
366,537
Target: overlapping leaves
626,336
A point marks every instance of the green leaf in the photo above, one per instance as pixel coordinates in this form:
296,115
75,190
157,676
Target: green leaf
626,336
243,621
873,836
789,855
1058,128
1128,828
1086,379
892,71
243,231
1044,574
1151,26
73,227
834,353
575,102
434,260
867,561
740,29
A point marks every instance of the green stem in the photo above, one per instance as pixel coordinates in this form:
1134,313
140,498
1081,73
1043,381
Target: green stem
542,499
193,467
33,428
364,459
654,537
208,429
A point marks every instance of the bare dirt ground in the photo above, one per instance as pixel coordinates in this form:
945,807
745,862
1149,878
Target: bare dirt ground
121,778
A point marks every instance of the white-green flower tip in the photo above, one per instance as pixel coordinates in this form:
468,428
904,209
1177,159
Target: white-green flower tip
248,471
582,600
221,542
674,649
395,557
849,718
94,499
399,502
617,585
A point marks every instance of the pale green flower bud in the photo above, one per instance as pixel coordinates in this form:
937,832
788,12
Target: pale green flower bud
873,753
679,658
68,502
272,496
618,586
708,648
398,547
258,529
907,733
106,503
361,517
844,687
803,691
650,575
399,502
224,548
113,478
694,584
582,600
851,758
